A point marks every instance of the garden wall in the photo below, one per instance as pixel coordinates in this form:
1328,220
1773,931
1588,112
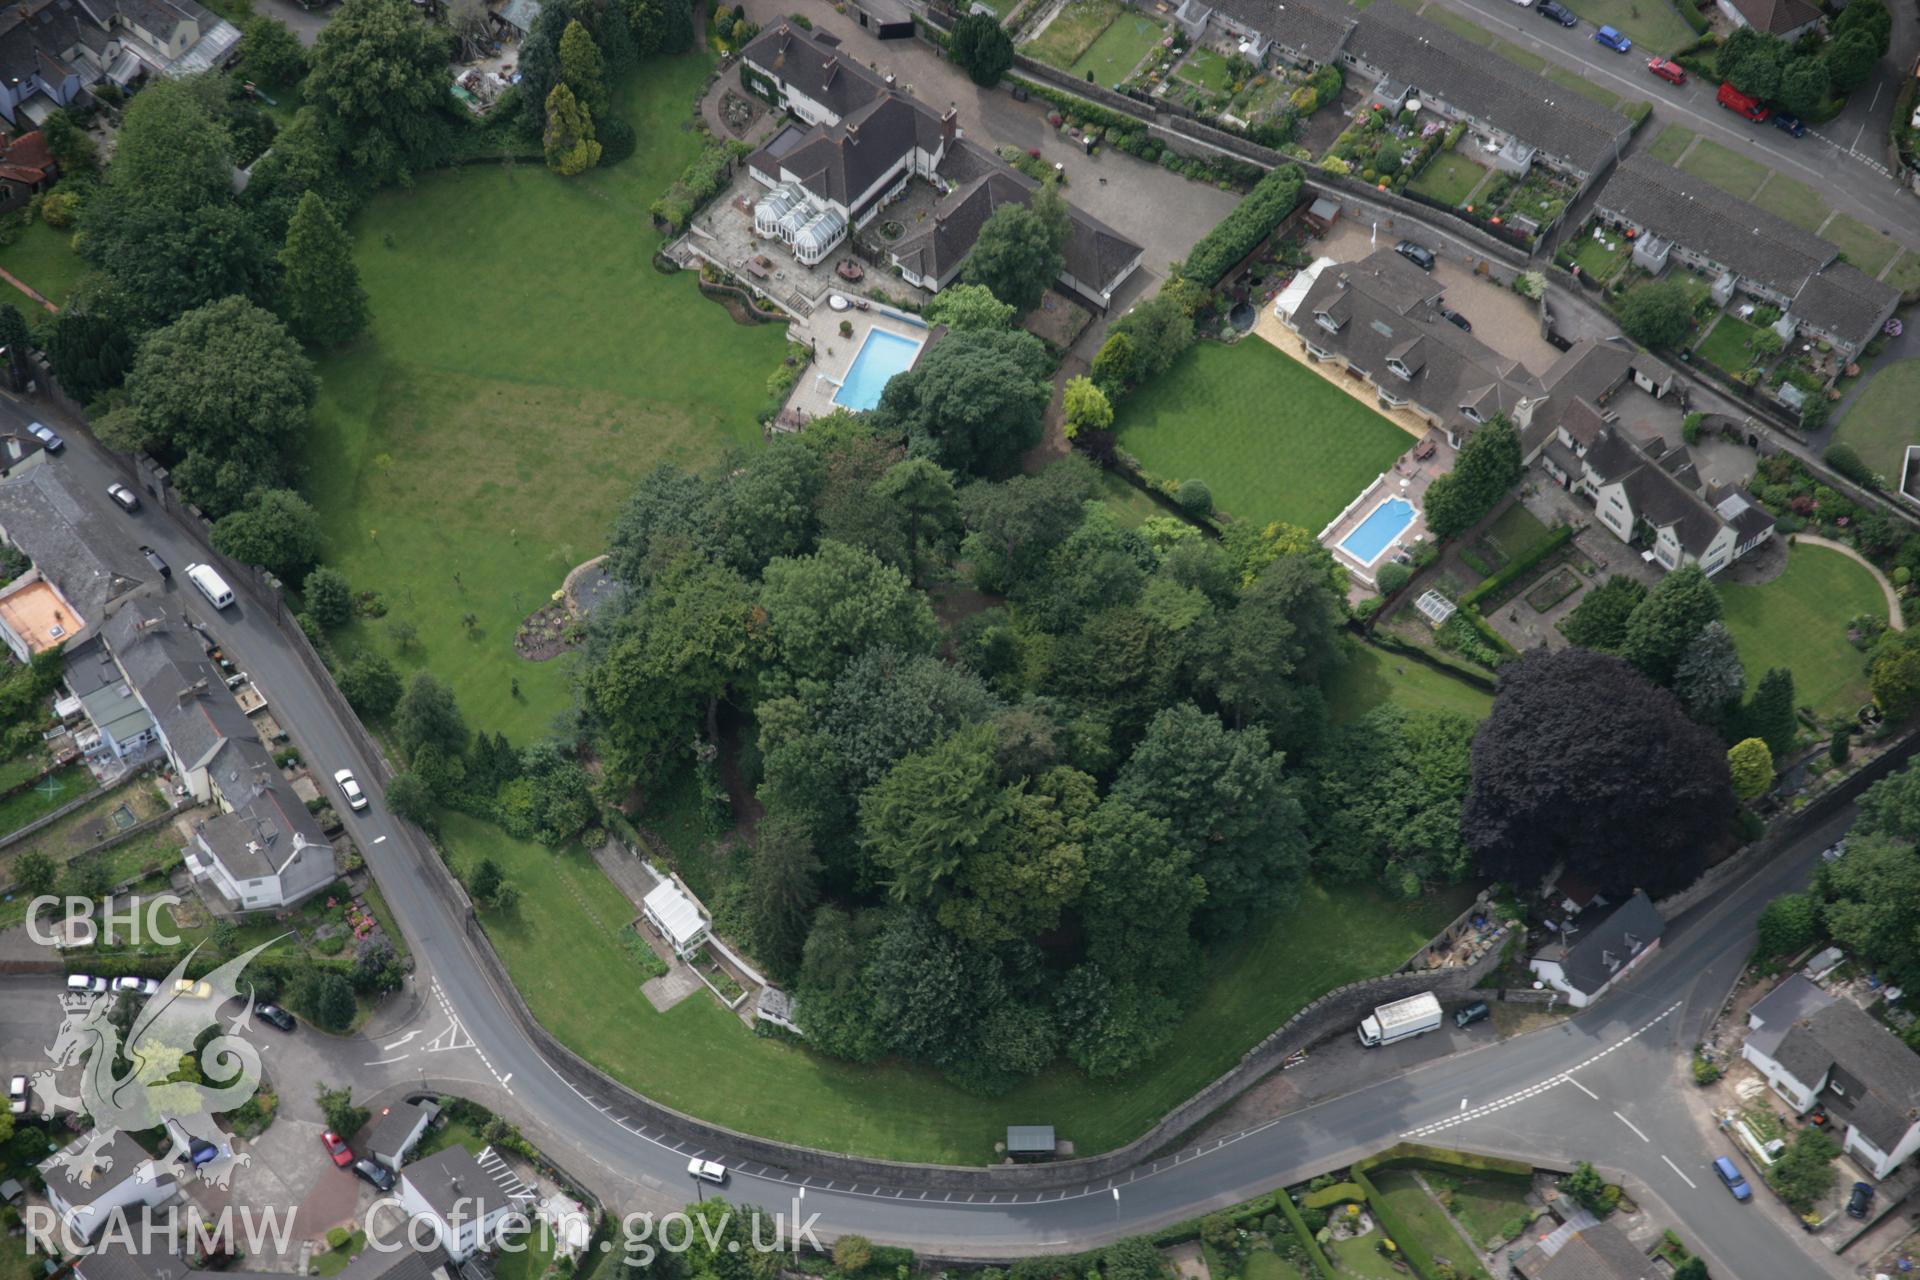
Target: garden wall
48,819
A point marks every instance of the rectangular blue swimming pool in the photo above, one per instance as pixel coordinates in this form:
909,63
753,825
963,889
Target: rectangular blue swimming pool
1370,540
882,355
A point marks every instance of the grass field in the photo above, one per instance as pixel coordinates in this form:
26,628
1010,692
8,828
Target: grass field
1487,1207
1518,56
1725,345
1362,1258
1129,505
1373,677
1880,423
1072,32
1598,261
1419,1214
525,366
1799,621
1118,50
1448,178
1653,25
1205,68
1799,204
1461,25
1905,275
560,941
1265,1264
1865,248
1725,168
1273,439
1672,142
1568,78
44,796
44,259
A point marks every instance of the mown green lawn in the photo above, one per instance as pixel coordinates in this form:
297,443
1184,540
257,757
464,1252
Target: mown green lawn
525,366
1880,423
1520,56
1725,168
1799,621
1373,677
1205,68
1487,1207
43,259
1362,1258
44,796
1448,178
1599,262
1866,248
1461,25
1725,346
1272,439
1118,50
1653,25
1799,204
1568,78
560,942
1905,275
1671,144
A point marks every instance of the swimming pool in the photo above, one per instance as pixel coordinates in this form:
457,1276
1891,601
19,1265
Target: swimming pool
882,355
1370,540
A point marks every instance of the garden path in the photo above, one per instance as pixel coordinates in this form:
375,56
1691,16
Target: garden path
1895,618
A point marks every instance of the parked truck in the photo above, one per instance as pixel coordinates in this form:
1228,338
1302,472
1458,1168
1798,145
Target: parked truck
1401,1020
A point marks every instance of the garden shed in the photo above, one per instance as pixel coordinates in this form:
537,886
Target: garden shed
1030,1141
677,918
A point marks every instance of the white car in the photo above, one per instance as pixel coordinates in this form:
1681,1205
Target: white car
82,983
17,1095
356,798
139,986
129,500
707,1171
1834,852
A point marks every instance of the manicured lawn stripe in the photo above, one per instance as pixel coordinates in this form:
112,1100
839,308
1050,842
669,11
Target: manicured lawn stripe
1725,168
1726,345
697,1057
1373,677
1568,78
1799,204
1205,68
1519,56
1273,439
1652,25
1119,48
1866,248
1672,142
1799,621
1419,1214
1880,423
1464,27
1905,275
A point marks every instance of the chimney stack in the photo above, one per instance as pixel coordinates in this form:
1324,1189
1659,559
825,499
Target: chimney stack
949,126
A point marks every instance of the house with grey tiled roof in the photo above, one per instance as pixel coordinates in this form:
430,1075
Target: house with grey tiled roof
1674,216
861,141
1788,19
1380,319
78,566
1592,1251
54,51
1655,490
263,849
464,1198
1583,963
1816,1049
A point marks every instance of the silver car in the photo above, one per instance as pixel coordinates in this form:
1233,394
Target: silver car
49,439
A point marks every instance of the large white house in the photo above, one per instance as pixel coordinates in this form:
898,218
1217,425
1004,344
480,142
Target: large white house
467,1198
1816,1049
1598,948
125,1183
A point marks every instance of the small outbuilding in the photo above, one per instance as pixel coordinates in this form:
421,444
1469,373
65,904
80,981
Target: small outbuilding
397,1130
1030,1141
1322,214
677,917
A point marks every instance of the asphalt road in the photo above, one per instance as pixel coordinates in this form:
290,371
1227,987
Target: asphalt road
1550,1094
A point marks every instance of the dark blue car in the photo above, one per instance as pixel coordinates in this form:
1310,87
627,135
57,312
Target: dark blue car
1789,124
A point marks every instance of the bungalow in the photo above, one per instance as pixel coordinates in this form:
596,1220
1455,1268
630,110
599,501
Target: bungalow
1788,19
466,1199
396,1130
1815,1049
1584,1249
1674,216
124,1182
1599,948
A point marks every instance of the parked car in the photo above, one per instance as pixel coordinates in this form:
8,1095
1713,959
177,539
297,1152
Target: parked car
708,1171
1731,1177
1558,12
356,798
139,986
1669,70
1734,100
338,1151
1418,254
376,1173
191,990
1455,318
83,983
1467,1015
1789,124
1860,1201
17,1099
1834,852
1614,39
127,498
49,439
273,1015
153,559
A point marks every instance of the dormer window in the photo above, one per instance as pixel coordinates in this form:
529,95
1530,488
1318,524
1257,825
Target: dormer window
1404,373
1326,322
1470,413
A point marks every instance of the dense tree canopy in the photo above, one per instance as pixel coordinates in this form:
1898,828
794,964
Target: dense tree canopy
982,48
1575,734
1488,464
1017,254
1387,805
974,402
1657,314
379,77
320,291
1667,624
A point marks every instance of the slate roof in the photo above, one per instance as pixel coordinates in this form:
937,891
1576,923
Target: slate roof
1844,300
1603,943
66,541
268,831
447,1177
1774,1014
114,1260
840,162
1587,371
1598,1252
392,1130
1315,32
122,1159
1387,308
95,679
1777,17
1842,1039
1661,484
1480,82
1679,207
399,1264
16,447
167,666
817,71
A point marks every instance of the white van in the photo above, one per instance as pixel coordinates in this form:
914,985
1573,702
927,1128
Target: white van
212,585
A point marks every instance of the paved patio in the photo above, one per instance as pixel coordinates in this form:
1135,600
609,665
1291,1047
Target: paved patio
836,338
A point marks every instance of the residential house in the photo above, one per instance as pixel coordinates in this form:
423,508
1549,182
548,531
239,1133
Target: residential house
54,51
1584,1249
466,1198
396,1130
1817,1050
26,169
1380,319
1524,117
165,663
1674,216
263,850
1599,948
19,451
1654,490
77,567
1788,19
859,143
118,726
126,1182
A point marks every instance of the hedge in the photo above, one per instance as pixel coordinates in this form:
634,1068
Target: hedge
1445,1161
1514,568
1691,15
1291,1212
1241,231
1418,1258
1338,1193
1843,459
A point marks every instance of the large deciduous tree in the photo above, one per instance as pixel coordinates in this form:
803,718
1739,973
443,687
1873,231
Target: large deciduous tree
920,492
826,609
320,291
1657,314
982,48
276,530
272,52
1599,621
1017,253
1867,901
428,718
974,402
1488,465
1387,810
379,74
223,395
1668,622
1576,735
970,308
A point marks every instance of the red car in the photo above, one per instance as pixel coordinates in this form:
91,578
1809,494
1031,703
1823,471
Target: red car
342,1154
1669,70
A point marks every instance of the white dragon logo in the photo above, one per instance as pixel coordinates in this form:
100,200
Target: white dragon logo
159,1046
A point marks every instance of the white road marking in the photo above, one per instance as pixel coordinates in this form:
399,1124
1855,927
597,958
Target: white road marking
1582,1088
381,1062
379,840
1463,1104
1683,1177
1631,1125
506,1077
402,1040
